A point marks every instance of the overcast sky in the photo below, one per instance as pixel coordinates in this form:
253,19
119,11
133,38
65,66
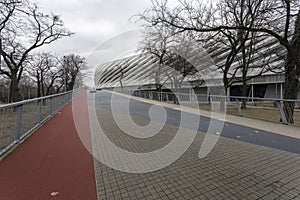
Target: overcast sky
94,22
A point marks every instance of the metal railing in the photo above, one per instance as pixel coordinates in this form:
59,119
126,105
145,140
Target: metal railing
259,108
18,120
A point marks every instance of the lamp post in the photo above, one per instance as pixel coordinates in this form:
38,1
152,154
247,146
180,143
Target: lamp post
65,72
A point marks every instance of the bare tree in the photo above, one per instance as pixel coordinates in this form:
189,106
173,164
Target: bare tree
31,30
44,67
122,70
75,70
4,89
275,19
182,57
234,13
155,43
7,9
27,87
171,52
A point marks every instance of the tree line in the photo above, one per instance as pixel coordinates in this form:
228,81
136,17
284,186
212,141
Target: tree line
24,28
238,28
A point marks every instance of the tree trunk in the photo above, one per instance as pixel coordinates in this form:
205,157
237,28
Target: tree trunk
226,86
290,89
225,83
42,84
244,73
175,99
38,85
50,87
291,86
14,94
244,94
70,85
159,91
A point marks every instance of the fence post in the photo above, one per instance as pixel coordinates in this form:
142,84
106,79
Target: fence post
282,114
161,95
193,100
18,123
39,117
50,107
238,105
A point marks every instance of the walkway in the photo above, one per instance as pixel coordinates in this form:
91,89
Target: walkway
52,163
233,170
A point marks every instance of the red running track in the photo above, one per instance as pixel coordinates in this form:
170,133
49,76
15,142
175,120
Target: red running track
53,159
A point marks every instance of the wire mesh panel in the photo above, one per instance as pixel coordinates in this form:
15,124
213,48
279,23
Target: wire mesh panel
183,97
19,119
203,98
45,109
7,127
29,117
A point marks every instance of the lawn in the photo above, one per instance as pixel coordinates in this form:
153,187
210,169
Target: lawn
8,121
256,110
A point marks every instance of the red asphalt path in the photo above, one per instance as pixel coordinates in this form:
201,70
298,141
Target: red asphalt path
52,159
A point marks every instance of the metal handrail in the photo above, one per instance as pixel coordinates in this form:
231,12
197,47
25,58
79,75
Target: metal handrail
15,130
15,104
286,113
223,96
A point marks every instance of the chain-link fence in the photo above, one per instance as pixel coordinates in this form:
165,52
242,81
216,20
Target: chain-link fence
17,120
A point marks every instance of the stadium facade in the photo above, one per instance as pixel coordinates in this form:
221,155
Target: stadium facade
139,72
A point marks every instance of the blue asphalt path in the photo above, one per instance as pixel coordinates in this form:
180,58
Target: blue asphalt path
231,130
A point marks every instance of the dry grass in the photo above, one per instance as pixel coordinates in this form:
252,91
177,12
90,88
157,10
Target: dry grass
7,127
8,122
258,110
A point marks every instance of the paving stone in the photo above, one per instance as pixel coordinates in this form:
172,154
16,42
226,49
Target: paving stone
233,170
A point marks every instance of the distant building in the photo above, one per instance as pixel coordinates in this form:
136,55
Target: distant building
138,72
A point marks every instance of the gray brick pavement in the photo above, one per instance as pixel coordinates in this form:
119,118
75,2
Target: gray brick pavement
233,170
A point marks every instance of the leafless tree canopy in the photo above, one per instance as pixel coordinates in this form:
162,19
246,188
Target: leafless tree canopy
239,26
24,28
75,71
44,69
24,72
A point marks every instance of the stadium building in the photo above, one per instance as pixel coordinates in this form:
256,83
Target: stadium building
138,72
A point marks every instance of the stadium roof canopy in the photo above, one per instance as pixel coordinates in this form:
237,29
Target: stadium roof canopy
143,69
